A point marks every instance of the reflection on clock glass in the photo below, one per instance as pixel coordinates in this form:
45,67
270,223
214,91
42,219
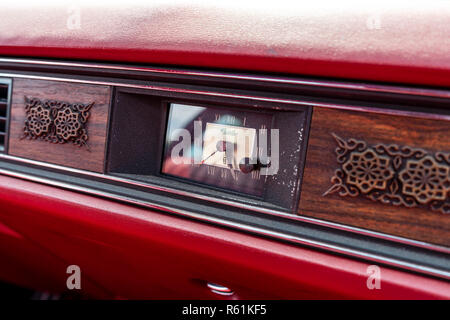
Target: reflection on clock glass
215,146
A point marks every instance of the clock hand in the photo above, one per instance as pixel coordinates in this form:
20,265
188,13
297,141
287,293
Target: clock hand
221,146
246,166
208,157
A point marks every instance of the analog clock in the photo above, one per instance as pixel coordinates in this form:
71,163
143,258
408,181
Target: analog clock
219,147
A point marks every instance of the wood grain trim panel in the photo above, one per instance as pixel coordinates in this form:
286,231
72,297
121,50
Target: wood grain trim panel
87,156
324,194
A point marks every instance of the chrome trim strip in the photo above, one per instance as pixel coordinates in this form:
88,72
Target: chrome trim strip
317,83
256,230
236,96
272,212
222,293
218,289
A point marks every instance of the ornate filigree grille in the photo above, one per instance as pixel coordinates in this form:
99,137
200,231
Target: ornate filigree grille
56,121
392,174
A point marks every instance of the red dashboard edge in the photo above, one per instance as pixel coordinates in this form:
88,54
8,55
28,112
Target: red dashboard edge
397,43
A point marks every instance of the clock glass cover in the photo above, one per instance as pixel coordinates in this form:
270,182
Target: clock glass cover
217,147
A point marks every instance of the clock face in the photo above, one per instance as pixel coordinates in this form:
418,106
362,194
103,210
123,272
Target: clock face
217,147
217,140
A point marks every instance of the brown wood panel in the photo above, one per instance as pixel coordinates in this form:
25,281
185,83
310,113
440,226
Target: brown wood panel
88,157
393,178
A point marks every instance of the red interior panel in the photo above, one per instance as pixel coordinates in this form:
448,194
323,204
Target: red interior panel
136,253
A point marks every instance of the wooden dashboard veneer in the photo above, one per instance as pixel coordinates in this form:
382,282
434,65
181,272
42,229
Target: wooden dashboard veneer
380,172
60,123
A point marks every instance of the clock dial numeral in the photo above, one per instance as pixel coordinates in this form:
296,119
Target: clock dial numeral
211,170
223,173
256,174
233,175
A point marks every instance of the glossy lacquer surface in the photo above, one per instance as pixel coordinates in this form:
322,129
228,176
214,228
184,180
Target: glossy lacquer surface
398,152
30,100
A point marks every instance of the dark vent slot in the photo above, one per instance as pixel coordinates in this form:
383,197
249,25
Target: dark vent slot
4,95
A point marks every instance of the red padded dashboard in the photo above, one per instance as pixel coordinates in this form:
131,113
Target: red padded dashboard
402,41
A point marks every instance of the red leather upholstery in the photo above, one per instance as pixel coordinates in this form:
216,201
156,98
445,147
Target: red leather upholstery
129,252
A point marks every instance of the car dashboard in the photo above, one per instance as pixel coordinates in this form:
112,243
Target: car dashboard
225,159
